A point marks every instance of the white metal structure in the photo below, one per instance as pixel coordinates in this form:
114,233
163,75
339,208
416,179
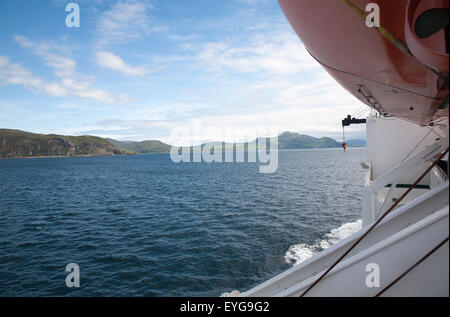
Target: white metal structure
398,152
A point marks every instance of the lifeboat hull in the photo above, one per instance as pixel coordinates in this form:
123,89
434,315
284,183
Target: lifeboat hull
362,60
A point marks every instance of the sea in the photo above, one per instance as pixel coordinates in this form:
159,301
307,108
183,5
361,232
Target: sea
142,225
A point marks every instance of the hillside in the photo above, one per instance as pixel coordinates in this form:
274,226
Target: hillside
356,143
143,147
16,143
286,141
289,140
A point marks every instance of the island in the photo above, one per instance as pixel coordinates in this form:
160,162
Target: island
21,144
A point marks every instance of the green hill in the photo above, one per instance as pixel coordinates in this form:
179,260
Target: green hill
289,140
16,143
286,141
356,143
143,147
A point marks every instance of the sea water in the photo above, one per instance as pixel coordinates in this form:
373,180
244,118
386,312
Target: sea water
141,225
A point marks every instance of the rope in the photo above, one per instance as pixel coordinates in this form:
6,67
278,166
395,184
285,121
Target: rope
391,38
360,113
356,113
407,156
383,31
412,267
375,223
432,130
364,112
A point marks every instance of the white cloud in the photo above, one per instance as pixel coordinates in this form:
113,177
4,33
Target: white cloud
62,66
266,78
125,22
301,98
111,61
277,53
126,99
184,38
54,89
83,89
69,82
16,74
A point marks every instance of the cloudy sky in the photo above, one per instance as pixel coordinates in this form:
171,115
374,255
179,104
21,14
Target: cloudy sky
137,70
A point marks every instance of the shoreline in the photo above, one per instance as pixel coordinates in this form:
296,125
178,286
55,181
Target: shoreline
58,156
127,154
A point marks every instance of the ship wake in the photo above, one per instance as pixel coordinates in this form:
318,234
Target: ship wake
301,252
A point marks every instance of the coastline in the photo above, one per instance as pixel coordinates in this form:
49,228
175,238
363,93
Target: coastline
60,156
126,154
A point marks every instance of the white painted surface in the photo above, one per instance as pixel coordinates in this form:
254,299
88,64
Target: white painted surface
398,153
410,231
395,245
390,140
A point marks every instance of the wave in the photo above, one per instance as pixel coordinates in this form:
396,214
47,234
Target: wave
300,252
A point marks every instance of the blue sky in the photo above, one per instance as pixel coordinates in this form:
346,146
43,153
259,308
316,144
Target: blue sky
136,70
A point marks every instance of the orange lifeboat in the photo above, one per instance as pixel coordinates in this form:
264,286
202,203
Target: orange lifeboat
411,84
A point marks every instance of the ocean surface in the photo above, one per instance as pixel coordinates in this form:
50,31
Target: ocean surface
145,226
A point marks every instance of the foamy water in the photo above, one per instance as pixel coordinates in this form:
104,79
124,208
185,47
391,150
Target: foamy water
301,252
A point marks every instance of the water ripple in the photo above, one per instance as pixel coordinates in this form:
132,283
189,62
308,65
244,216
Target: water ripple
144,226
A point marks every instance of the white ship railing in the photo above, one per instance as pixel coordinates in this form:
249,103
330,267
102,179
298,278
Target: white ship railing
419,222
296,279
377,201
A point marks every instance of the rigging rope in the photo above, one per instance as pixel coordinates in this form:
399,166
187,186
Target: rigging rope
356,113
392,39
424,137
375,223
361,111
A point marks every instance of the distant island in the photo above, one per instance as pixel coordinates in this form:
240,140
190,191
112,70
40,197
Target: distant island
21,144
143,147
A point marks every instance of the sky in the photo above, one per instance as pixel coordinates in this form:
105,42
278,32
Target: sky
138,70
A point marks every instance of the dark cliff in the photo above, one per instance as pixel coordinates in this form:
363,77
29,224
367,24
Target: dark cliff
16,143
